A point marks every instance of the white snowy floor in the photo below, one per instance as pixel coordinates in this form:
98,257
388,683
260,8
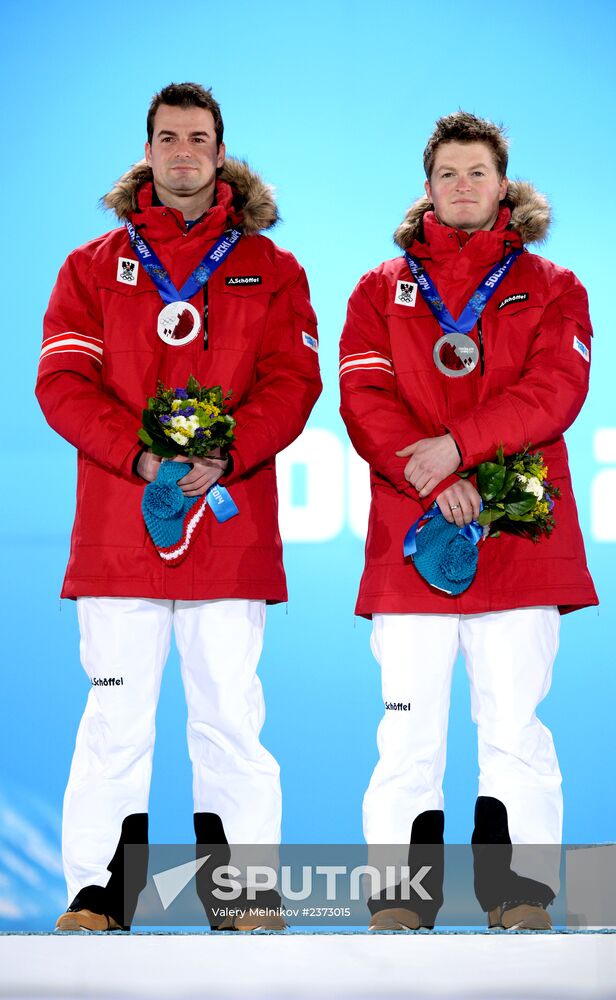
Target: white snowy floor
298,966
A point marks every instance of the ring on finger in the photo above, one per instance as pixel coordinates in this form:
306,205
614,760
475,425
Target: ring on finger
456,506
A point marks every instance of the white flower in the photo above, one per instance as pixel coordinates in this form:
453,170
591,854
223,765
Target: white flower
187,425
531,485
180,439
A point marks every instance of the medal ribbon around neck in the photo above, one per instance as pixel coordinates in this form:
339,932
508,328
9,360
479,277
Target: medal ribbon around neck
202,273
179,322
455,345
477,302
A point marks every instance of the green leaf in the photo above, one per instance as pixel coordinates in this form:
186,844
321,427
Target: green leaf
152,426
144,436
520,507
193,387
490,478
489,514
166,449
500,455
508,482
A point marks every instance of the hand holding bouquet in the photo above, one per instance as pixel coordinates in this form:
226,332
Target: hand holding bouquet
189,422
516,498
516,495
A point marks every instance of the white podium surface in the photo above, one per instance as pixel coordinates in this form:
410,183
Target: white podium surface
424,966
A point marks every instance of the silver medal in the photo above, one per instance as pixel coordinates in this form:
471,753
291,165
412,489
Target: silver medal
178,323
456,355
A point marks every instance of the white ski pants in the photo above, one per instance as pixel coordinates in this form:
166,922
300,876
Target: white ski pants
124,646
509,657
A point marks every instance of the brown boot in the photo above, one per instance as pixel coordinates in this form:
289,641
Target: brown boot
253,921
395,918
520,917
86,920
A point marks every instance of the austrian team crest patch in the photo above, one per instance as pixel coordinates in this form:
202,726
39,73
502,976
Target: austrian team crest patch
127,271
406,293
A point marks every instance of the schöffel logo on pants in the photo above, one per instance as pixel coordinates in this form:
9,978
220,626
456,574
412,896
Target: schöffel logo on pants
107,681
398,706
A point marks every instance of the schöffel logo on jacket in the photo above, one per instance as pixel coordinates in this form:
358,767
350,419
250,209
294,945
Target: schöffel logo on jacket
398,706
244,279
108,681
518,297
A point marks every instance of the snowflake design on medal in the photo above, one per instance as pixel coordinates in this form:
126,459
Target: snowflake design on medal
437,303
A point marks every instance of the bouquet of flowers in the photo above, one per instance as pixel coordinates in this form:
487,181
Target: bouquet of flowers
516,495
190,421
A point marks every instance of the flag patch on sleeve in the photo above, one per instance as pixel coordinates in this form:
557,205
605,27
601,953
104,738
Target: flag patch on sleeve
581,348
310,342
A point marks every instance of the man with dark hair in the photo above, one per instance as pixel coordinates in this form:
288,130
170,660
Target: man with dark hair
186,95
420,419
250,328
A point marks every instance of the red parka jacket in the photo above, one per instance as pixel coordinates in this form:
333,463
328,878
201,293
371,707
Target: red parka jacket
536,341
102,357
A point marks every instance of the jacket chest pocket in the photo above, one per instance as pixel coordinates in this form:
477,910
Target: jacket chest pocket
132,345
237,315
130,315
413,333
507,333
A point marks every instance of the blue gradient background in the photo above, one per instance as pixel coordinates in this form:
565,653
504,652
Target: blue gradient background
332,103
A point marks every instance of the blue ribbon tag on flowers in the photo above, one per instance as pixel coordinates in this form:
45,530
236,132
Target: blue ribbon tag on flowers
221,503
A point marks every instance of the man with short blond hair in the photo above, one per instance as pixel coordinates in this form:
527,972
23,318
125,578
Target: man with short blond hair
420,415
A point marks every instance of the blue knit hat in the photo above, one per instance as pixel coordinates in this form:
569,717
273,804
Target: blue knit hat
170,517
445,556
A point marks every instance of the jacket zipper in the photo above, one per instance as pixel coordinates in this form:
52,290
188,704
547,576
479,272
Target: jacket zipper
185,231
481,353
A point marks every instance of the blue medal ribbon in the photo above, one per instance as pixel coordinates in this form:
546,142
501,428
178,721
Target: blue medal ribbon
476,304
203,272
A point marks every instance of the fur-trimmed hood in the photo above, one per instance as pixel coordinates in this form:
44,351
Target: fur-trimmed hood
252,197
530,215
